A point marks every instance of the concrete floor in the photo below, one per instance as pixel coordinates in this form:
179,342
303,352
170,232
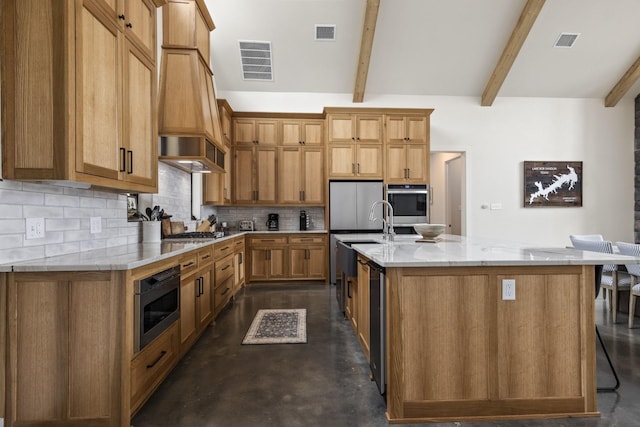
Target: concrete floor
326,381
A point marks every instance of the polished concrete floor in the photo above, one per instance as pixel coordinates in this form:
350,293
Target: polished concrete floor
326,381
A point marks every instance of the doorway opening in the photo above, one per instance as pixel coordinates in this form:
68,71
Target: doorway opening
448,177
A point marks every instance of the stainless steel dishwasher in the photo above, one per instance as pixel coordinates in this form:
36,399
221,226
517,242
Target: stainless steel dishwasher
377,339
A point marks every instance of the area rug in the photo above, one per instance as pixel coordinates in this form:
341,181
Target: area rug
278,326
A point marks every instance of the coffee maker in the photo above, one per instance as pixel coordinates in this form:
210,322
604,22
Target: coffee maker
272,222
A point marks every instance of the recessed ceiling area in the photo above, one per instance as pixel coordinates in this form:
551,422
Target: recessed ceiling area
431,47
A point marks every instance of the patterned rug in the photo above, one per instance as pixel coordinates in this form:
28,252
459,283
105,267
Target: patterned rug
278,326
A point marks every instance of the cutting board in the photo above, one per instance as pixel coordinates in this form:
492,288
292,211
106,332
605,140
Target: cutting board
177,227
166,227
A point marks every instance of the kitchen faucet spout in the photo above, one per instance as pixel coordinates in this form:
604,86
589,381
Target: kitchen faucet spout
387,224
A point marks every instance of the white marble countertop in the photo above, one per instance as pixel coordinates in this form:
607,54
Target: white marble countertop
460,251
126,257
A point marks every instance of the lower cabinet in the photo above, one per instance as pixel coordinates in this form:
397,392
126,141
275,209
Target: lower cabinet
196,296
224,277
65,340
363,301
238,264
296,256
268,256
151,365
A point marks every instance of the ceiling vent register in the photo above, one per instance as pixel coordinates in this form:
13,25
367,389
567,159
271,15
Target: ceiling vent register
326,32
256,60
566,39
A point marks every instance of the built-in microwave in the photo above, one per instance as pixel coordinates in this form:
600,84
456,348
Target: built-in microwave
410,203
157,305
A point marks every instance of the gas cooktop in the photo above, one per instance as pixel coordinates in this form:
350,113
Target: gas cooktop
196,235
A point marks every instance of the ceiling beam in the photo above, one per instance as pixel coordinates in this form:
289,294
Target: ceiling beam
623,85
518,36
368,30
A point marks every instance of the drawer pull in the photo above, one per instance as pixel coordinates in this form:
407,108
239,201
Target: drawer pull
225,248
206,256
225,292
225,267
155,362
267,240
189,264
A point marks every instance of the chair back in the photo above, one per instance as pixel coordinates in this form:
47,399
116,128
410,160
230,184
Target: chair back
596,237
603,246
631,249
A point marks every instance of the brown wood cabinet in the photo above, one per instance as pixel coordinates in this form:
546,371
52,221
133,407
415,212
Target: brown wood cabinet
406,129
407,163
255,131
302,132
355,161
307,257
224,278
360,128
255,180
238,264
363,302
65,348
196,296
301,176
267,257
82,103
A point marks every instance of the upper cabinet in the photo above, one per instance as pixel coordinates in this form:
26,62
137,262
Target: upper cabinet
366,128
187,25
79,83
255,132
225,120
406,129
302,132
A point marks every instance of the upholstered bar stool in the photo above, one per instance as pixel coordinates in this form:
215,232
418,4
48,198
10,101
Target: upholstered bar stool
613,280
634,271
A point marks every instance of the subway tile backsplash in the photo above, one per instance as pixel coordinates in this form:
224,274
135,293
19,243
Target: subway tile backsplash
67,212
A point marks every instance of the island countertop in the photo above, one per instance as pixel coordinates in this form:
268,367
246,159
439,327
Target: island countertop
461,251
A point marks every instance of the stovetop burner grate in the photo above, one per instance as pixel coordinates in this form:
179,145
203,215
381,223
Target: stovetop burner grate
193,235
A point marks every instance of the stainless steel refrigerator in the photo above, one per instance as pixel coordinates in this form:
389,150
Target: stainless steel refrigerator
349,206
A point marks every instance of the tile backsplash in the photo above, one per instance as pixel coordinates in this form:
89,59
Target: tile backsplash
67,214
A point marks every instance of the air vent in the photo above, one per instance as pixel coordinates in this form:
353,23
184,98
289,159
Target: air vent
326,32
566,39
256,60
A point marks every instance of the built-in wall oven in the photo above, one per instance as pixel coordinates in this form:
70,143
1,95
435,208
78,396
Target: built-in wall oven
410,204
156,305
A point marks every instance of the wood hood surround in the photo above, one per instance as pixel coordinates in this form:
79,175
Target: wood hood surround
188,119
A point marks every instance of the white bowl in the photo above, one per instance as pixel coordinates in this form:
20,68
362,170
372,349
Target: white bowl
429,231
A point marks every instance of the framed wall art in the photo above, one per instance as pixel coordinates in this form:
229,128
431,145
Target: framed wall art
552,184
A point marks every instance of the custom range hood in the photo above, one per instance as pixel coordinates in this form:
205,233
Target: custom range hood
188,120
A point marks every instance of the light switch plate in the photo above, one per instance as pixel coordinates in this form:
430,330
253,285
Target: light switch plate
34,228
508,289
96,224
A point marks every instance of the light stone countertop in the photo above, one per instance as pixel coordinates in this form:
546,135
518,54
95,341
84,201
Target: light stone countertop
127,257
461,251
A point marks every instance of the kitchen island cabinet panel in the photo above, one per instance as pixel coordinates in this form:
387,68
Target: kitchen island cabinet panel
531,357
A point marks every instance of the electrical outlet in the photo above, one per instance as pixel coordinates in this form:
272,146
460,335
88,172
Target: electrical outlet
96,224
508,289
34,228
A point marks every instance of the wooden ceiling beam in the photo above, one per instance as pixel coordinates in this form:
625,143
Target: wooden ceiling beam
518,36
624,84
368,30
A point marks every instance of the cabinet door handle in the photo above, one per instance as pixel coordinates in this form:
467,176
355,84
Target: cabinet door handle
353,138
123,159
225,267
349,289
304,196
121,17
358,168
130,152
408,173
129,25
155,362
353,168
241,259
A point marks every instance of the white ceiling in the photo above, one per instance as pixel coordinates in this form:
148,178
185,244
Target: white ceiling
430,47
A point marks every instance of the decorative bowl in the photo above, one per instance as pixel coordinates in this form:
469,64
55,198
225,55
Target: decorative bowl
429,231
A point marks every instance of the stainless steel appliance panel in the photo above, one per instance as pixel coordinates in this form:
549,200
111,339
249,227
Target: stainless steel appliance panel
342,205
410,203
366,194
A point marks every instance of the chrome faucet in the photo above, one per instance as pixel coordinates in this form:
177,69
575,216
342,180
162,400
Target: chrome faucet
387,224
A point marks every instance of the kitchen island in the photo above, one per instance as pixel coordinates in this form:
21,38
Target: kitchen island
456,349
